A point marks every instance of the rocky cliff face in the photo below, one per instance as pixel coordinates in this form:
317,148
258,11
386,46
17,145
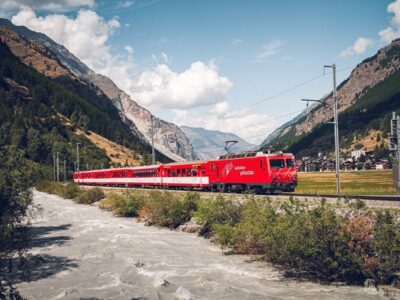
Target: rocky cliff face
365,76
169,138
209,144
33,54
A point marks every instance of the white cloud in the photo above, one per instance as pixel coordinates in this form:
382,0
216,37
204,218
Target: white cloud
394,8
130,50
270,49
10,7
87,35
387,35
236,41
125,4
249,125
392,32
359,47
198,85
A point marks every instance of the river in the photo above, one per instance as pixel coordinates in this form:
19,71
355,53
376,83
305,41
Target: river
80,251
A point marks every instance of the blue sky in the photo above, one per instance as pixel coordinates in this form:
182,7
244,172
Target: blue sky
202,63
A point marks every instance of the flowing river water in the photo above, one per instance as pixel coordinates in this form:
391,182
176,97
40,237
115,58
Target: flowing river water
82,252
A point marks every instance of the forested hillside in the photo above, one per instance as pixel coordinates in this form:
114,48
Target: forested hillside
366,102
39,115
372,112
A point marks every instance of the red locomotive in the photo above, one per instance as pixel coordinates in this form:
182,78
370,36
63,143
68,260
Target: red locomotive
248,171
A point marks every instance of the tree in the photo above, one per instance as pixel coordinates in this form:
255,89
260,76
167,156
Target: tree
15,201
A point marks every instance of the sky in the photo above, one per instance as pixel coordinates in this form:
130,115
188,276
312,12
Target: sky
228,65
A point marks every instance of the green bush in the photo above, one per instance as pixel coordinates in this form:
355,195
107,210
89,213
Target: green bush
127,204
90,196
68,191
217,211
169,210
314,240
386,247
350,244
248,235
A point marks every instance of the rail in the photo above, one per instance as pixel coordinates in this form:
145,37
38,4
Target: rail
361,197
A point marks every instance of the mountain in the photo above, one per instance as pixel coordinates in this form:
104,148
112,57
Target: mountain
45,109
365,102
210,144
168,138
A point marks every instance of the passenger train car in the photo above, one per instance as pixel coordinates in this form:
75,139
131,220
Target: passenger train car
248,171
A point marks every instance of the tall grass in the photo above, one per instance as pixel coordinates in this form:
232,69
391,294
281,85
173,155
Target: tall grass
352,183
71,191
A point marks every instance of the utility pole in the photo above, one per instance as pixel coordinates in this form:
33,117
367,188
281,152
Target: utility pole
54,167
394,147
77,157
335,123
58,166
336,128
152,141
65,171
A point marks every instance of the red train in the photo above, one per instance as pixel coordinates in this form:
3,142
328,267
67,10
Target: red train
249,171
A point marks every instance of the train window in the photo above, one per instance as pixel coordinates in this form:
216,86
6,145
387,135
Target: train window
179,172
194,172
261,163
212,167
277,163
251,154
188,172
290,163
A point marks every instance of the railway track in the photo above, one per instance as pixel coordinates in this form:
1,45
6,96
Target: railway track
361,197
394,198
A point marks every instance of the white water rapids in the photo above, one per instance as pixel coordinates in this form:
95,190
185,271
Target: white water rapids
89,253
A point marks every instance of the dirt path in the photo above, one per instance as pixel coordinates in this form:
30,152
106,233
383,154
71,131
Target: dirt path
84,252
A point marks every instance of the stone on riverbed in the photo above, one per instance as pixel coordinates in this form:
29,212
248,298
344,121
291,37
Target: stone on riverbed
192,226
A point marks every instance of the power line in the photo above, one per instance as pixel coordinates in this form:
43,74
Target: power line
295,87
285,91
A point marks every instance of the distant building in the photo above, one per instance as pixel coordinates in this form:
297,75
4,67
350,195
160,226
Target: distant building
357,153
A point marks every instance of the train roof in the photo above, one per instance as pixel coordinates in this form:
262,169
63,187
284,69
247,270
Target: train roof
194,162
247,154
125,168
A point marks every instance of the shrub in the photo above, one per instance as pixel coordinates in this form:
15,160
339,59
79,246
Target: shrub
349,245
127,204
90,196
251,232
217,210
69,190
169,210
386,246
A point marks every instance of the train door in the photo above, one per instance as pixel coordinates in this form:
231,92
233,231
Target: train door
263,168
214,171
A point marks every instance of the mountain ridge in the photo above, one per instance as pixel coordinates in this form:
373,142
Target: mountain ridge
169,139
355,89
210,144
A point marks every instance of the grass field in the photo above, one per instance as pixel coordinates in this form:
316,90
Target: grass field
356,183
